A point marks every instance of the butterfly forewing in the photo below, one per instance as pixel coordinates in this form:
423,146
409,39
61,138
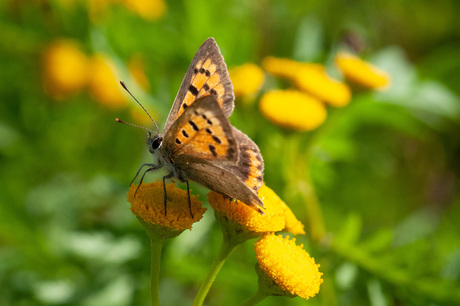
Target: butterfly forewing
203,132
206,75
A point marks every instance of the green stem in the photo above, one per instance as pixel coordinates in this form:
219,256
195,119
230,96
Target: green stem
225,251
254,299
155,250
314,212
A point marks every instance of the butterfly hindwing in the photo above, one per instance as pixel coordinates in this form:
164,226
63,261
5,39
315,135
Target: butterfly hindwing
203,132
250,165
206,75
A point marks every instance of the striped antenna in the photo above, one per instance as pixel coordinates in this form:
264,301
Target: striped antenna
118,120
134,125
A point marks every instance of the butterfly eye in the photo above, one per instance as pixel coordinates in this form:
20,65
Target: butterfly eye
155,143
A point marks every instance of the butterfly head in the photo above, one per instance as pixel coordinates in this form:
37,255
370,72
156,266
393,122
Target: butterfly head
154,142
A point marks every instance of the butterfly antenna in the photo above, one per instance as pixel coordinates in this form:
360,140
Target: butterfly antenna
134,125
126,88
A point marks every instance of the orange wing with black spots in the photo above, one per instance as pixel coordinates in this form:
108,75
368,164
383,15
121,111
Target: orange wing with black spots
202,132
206,75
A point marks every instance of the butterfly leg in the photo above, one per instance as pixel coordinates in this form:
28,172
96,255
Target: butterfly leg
164,187
189,203
142,166
153,167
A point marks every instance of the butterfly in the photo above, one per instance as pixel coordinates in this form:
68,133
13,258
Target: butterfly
198,142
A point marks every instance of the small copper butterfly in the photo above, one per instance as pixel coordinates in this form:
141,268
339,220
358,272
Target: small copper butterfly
199,143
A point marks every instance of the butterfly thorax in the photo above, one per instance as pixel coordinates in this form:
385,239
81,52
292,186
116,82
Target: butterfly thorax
164,156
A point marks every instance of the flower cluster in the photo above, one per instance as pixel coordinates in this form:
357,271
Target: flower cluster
284,267
303,107
151,10
67,70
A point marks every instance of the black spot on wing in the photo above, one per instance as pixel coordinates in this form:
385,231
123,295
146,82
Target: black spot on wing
193,90
206,87
208,131
185,133
213,150
194,126
178,141
216,139
243,168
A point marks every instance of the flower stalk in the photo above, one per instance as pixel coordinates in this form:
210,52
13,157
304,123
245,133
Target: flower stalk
226,249
155,260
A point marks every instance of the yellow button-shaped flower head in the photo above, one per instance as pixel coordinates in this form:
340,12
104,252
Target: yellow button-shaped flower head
319,84
285,67
247,79
293,109
65,68
104,83
148,204
151,10
288,265
362,73
241,215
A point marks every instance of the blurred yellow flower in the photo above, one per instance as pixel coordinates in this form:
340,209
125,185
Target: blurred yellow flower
319,84
104,83
148,204
311,78
150,10
136,68
288,265
247,79
293,109
286,68
65,68
362,73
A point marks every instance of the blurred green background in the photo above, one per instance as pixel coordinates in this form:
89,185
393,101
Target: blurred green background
385,168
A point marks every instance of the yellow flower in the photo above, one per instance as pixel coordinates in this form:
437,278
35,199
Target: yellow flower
247,79
65,68
277,215
241,214
293,109
150,10
104,83
286,68
362,73
148,204
292,224
311,78
288,265
136,68
319,84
